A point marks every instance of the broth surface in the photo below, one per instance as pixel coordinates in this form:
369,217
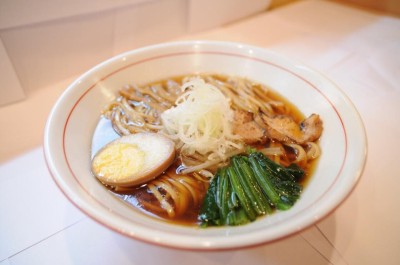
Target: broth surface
142,197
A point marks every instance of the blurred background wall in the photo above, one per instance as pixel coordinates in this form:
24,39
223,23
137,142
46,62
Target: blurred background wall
387,6
45,41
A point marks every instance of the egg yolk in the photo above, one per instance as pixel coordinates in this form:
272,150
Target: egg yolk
119,161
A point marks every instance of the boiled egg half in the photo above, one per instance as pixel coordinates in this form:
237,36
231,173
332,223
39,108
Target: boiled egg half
133,159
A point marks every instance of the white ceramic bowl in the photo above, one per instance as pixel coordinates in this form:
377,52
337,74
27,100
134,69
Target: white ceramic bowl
70,127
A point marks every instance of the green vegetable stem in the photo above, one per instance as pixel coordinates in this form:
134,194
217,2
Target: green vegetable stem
251,186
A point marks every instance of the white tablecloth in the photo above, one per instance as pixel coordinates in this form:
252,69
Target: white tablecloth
358,50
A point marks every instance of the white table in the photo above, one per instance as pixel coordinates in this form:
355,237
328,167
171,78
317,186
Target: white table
358,50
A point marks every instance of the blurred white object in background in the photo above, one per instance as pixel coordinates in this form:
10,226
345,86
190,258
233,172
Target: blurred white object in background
10,88
45,41
205,14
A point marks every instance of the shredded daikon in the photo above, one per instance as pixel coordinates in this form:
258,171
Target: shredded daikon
201,121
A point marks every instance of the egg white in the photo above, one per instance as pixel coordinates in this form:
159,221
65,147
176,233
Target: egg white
133,159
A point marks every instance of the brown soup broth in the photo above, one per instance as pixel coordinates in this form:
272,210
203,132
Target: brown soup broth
141,198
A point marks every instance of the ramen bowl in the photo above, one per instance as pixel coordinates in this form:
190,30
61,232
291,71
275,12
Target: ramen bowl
73,120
